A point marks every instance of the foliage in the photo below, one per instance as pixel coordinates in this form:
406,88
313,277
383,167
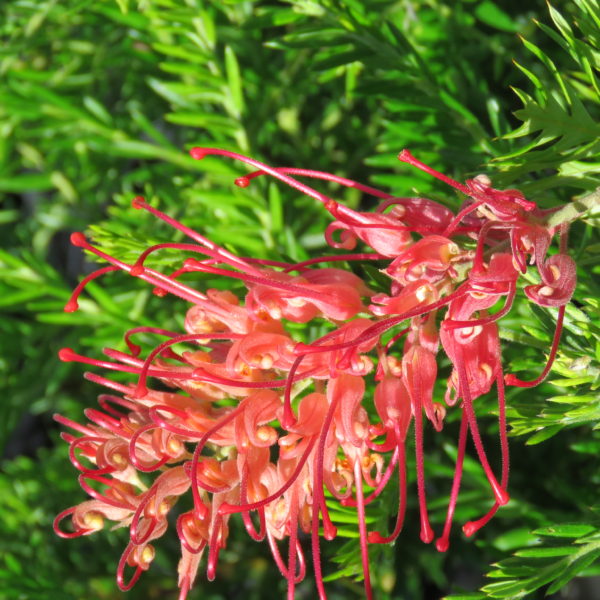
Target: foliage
98,102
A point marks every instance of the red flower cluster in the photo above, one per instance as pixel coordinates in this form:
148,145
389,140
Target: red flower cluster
259,424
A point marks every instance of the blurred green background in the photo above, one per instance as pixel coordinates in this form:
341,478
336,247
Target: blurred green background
99,101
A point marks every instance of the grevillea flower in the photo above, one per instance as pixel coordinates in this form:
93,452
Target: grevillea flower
260,426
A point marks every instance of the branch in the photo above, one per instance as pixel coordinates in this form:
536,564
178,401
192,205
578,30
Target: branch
574,210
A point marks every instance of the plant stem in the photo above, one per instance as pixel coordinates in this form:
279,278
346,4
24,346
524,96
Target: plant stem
575,209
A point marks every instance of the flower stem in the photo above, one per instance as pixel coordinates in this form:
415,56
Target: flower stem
576,209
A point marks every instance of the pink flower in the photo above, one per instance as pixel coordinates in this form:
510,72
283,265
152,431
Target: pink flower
258,422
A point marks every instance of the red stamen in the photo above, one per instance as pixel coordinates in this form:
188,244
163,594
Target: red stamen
134,348
103,420
119,387
359,221
113,485
139,203
182,537
125,587
407,157
362,529
214,548
185,588
68,355
500,494
394,339
266,262
288,419
63,534
104,399
138,267
199,374
149,522
511,379
375,537
442,542
452,324
478,266
135,461
227,509
387,474
141,390
245,180
73,425
293,535
279,561
334,258
276,554
426,534
200,509
292,288
149,275
452,226
72,305
153,414
75,461
376,330
200,153
257,536
380,327
473,526
319,498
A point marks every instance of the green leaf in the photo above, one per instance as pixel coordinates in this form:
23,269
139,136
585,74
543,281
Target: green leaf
209,121
514,538
568,530
123,5
491,14
543,552
543,435
234,80
97,110
549,64
34,182
576,566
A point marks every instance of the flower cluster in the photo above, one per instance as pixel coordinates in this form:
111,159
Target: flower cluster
250,421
